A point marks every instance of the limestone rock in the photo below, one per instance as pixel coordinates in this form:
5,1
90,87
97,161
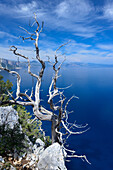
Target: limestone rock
39,142
8,116
38,147
33,157
52,158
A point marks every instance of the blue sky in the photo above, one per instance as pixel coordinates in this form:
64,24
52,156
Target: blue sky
87,23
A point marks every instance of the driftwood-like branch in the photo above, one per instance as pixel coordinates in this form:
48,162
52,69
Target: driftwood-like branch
40,112
83,157
55,92
71,132
14,50
18,80
27,38
27,31
61,46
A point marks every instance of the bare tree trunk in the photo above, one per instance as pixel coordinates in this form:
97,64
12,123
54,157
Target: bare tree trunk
55,135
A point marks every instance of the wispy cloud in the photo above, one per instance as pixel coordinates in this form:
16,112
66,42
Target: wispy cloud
108,11
18,10
78,19
74,9
74,52
105,47
6,35
73,16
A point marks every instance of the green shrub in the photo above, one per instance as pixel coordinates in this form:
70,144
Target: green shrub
11,140
32,130
4,87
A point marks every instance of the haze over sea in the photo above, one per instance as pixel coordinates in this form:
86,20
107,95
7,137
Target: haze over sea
94,87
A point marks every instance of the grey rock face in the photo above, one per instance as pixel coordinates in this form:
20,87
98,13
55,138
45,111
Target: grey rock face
38,147
39,142
33,157
8,116
52,158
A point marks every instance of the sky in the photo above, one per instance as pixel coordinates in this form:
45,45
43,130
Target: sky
88,24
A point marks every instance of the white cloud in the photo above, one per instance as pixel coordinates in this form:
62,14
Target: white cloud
74,9
75,17
108,11
62,9
28,51
6,35
75,52
19,10
89,54
108,47
85,35
5,53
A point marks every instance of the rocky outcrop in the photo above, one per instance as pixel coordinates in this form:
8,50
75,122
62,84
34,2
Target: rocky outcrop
8,116
33,156
52,158
36,157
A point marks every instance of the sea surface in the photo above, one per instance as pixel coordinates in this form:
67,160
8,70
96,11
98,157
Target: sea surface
94,87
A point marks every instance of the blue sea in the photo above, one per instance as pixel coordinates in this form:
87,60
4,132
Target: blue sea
94,87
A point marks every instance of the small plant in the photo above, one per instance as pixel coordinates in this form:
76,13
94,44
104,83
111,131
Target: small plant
31,128
4,88
11,140
47,141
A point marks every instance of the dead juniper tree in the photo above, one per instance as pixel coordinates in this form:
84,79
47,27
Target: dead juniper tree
61,129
